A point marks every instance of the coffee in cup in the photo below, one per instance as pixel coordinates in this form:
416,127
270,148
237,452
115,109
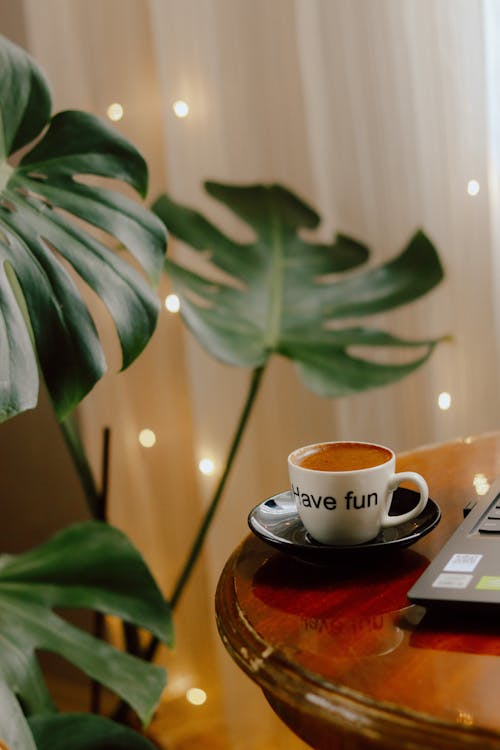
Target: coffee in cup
344,490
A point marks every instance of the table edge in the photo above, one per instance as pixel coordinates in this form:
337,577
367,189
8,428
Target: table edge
280,678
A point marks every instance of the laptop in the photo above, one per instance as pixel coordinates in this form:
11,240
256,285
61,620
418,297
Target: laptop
466,571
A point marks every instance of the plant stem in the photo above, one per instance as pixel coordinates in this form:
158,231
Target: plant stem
207,519
97,501
95,687
206,522
103,494
102,502
73,440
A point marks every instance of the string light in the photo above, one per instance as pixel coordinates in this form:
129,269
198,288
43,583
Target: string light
181,108
481,484
473,187
206,466
115,112
444,401
465,718
196,696
147,438
172,303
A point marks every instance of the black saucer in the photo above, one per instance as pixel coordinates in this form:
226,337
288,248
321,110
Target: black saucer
277,523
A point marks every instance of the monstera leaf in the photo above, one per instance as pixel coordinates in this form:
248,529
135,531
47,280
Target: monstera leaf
52,218
89,565
84,732
14,729
282,294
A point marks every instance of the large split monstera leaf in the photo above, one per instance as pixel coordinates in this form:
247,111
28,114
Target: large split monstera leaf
90,565
282,294
43,319
83,732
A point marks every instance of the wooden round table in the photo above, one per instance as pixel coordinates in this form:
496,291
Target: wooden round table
341,655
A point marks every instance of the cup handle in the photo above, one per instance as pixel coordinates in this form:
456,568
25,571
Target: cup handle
396,480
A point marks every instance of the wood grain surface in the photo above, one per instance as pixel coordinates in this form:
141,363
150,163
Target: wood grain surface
343,657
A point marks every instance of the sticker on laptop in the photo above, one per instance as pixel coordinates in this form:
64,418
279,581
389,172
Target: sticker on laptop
452,581
462,563
489,583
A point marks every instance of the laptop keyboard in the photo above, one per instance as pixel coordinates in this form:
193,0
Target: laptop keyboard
490,521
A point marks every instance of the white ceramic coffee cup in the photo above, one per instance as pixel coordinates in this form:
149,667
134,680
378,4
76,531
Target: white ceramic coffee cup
349,507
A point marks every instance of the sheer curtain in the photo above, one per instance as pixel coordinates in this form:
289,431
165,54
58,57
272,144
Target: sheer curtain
378,113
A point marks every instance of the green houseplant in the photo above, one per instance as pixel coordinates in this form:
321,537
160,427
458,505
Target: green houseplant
45,327
284,296
275,307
